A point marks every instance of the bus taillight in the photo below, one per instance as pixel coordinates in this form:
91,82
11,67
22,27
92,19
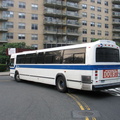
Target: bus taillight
96,74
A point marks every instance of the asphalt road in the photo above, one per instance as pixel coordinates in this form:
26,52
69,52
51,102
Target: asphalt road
34,101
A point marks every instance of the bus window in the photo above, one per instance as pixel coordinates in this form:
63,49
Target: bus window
107,55
53,57
79,58
40,58
20,59
30,58
74,56
12,62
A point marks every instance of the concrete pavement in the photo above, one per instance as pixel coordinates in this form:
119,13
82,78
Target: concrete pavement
4,73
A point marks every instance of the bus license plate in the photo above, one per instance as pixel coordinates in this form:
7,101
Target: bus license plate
110,73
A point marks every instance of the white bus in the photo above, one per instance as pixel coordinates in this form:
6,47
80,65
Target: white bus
89,66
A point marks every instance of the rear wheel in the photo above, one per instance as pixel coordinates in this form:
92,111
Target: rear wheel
61,84
17,77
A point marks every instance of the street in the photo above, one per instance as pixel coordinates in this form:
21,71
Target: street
35,101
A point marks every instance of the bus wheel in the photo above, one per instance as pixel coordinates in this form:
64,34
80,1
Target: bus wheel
61,84
17,77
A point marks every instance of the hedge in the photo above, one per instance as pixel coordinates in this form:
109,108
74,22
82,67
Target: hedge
3,67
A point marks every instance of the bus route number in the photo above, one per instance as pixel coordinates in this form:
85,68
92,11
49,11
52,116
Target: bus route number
110,73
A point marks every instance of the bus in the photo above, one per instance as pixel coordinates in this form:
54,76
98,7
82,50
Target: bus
90,66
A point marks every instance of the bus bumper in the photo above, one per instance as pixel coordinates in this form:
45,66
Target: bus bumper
105,86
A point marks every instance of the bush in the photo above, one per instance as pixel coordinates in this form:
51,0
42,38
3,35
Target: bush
3,67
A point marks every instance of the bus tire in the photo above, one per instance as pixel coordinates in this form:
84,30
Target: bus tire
17,77
61,84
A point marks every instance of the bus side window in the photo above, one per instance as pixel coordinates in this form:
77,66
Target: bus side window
79,58
20,59
40,58
12,62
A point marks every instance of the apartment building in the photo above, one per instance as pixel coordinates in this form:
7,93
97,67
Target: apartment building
53,23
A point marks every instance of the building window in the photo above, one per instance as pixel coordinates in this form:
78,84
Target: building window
34,16
84,22
98,1
106,26
84,39
106,10
84,6
10,14
34,26
10,35
22,4
99,17
34,7
10,24
99,9
21,25
92,24
10,3
92,32
99,25
21,36
84,31
99,32
84,14
106,3
93,1
92,8
106,18
21,15
35,46
92,16
34,37
106,33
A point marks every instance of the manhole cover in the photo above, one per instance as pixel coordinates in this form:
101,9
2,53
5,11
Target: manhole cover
83,114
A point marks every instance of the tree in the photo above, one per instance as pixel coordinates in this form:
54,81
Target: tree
3,57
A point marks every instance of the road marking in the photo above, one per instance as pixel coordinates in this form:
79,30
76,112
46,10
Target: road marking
83,103
79,104
86,118
93,118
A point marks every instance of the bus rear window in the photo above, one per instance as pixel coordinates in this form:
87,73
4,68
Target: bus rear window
107,55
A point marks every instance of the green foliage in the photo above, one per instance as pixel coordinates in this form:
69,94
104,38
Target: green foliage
118,44
93,40
3,67
3,57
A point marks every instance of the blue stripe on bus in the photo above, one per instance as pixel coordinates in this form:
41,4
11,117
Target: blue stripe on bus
70,67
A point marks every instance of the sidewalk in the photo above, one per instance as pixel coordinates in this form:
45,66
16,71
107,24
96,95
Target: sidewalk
4,73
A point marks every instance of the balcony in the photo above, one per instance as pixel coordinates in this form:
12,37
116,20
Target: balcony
3,7
56,22
116,30
116,38
73,24
54,13
116,14
55,32
74,1
3,40
116,22
54,3
116,7
3,29
73,6
71,33
73,15
3,18
116,1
